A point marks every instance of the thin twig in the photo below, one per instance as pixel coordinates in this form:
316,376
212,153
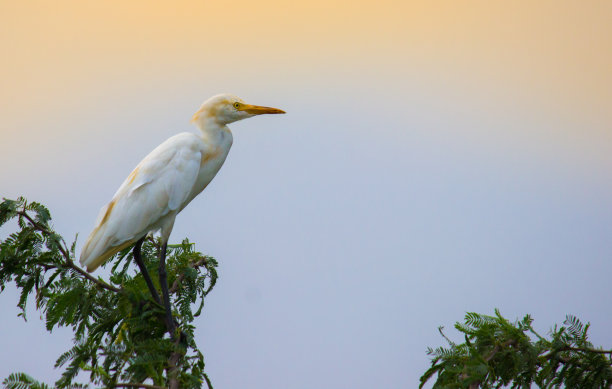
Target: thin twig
588,350
175,358
491,355
498,347
89,277
180,277
41,229
69,261
208,383
130,385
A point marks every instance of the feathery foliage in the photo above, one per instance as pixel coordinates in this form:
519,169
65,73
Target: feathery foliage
499,353
120,337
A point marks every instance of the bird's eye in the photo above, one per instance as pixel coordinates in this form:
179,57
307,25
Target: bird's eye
236,105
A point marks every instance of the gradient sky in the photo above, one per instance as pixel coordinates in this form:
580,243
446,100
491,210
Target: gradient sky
437,157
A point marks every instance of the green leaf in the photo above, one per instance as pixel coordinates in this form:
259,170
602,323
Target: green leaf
118,336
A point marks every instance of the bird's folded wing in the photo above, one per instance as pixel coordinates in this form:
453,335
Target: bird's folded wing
159,185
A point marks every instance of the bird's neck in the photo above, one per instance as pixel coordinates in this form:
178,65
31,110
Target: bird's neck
212,130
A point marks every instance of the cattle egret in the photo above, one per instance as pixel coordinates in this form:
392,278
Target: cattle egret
164,182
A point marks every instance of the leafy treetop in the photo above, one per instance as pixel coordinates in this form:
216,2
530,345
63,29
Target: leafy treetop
120,338
499,353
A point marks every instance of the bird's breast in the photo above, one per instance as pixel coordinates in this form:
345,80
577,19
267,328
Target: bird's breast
210,163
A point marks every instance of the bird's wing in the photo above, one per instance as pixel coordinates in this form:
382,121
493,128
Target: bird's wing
149,197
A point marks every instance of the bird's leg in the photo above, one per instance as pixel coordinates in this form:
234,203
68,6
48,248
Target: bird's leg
143,270
163,281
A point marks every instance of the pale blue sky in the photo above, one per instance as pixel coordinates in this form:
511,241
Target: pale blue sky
393,197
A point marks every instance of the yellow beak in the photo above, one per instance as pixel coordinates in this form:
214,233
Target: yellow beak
258,110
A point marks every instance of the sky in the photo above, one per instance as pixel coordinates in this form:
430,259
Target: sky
436,158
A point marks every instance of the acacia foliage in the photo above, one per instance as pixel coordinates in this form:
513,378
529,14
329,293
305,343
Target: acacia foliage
499,353
120,337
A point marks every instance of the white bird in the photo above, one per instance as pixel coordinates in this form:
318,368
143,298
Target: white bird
166,180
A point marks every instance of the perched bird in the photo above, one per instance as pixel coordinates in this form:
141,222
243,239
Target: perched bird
166,180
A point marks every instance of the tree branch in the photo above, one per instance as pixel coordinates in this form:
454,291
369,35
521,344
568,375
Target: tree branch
98,281
588,350
130,385
175,285
496,349
67,259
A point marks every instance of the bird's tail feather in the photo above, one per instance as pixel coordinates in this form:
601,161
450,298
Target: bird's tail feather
98,249
93,263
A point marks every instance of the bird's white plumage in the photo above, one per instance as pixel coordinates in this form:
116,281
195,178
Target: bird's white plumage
149,199
166,180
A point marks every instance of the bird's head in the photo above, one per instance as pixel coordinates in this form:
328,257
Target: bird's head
225,108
